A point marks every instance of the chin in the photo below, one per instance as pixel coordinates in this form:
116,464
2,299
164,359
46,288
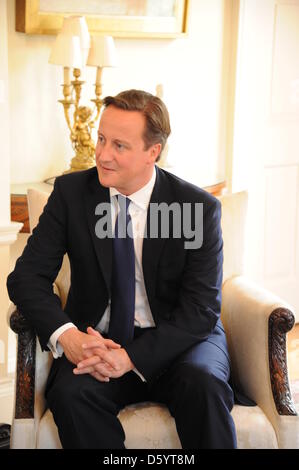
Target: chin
106,180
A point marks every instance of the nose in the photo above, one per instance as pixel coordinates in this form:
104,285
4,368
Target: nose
103,152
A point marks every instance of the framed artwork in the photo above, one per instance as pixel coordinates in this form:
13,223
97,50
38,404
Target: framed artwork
118,18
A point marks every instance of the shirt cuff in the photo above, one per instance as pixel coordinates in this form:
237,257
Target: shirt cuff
140,375
53,344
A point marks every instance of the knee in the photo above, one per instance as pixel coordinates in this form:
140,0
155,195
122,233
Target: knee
66,394
79,392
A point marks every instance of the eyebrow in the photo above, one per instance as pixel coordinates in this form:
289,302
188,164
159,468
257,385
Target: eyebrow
123,142
120,141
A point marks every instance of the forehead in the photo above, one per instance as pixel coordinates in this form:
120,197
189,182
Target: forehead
119,123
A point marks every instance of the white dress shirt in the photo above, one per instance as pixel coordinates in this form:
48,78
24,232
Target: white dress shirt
143,316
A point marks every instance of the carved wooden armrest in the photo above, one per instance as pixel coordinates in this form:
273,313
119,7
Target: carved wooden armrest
25,379
256,323
281,321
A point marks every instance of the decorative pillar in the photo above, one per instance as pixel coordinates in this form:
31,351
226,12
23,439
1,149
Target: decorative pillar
8,229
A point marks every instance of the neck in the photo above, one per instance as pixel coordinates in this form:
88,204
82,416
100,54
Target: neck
127,191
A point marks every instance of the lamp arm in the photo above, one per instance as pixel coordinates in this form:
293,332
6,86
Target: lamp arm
67,117
98,102
67,102
98,91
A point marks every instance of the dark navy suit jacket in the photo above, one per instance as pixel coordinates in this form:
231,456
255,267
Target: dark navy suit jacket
183,285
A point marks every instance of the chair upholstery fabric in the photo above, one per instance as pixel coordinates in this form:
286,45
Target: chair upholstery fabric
150,426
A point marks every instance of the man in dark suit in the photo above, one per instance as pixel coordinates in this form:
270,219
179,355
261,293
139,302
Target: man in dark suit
142,318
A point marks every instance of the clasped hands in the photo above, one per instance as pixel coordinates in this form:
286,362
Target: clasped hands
95,355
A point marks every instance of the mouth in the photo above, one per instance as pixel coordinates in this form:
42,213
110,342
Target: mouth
104,168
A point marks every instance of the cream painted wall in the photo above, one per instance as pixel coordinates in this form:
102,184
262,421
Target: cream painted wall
4,119
6,381
190,68
4,187
265,147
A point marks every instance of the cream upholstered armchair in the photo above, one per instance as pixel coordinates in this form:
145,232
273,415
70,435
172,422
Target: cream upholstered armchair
256,323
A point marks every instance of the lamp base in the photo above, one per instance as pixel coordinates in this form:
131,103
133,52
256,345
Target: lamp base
80,163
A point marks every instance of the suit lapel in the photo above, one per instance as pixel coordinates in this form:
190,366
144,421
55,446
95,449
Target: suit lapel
152,247
96,194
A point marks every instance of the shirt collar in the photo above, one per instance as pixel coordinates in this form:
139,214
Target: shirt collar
141,197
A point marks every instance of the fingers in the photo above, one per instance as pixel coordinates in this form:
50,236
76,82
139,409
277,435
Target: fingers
100,377
108,342
99,367
101,356
111,344
87,353
91,361
86,370
97,348
97,375
93,332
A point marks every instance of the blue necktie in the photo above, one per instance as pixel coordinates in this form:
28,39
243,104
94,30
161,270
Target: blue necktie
121,325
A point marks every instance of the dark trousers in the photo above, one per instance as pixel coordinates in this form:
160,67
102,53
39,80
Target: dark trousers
195,388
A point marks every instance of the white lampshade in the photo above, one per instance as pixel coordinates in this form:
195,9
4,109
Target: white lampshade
77,26
102,52
67,51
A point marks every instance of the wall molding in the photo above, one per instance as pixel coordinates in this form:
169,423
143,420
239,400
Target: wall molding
231,54
7,390
7,385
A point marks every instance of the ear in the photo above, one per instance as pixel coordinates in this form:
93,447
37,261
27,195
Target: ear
155,151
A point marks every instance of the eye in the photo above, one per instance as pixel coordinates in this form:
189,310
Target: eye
119,146
101,139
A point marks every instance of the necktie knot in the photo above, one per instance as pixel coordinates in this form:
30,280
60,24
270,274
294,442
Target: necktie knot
123,203
123,225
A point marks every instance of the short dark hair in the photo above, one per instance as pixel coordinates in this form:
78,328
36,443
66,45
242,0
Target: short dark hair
157,127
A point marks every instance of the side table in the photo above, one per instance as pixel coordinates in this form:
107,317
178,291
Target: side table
18,201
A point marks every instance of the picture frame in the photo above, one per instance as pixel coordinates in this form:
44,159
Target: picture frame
117,18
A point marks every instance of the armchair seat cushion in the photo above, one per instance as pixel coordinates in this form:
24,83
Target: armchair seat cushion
254,430
150,426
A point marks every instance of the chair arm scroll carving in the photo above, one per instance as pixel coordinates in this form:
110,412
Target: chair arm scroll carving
281,321
25,379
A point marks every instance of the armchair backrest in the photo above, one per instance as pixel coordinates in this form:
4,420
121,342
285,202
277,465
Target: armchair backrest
233,221
36,202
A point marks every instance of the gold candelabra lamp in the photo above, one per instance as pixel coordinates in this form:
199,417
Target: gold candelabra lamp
73,49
